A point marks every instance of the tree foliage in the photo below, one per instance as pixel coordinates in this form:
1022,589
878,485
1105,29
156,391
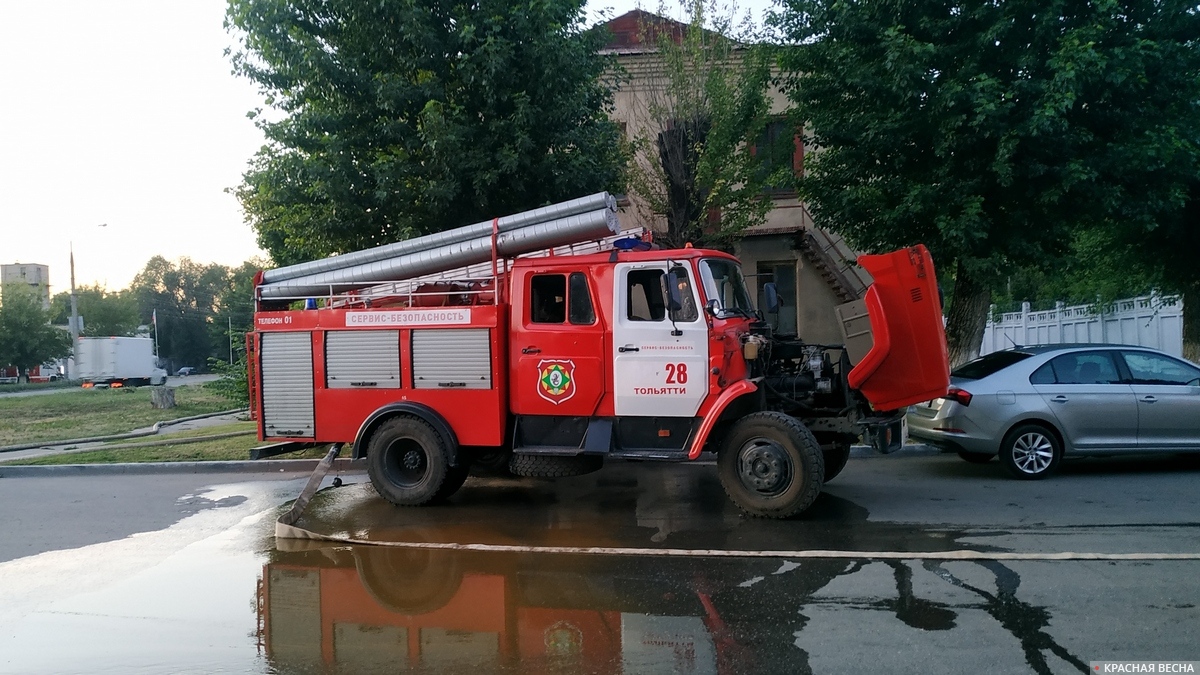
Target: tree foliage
398,118
103,312
700,111
27,339
995,133
195,305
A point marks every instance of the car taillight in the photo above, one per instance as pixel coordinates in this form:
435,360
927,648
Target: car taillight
958,396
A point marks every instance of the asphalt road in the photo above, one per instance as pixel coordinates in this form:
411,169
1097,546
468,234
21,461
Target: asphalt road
174,573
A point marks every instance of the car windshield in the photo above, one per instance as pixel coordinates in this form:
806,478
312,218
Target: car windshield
986,365
723,282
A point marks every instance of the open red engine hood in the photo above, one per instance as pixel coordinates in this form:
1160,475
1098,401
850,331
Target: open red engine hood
908,361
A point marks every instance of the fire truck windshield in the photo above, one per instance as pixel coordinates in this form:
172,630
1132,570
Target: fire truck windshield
724,285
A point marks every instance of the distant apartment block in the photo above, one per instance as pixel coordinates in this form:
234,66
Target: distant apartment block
36,276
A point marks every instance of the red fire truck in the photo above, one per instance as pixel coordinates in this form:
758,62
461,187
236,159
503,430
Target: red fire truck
546,342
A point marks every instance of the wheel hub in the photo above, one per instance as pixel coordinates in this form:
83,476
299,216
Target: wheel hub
1032,453
412,459
764,466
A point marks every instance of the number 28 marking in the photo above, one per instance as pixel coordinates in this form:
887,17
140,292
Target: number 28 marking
676,373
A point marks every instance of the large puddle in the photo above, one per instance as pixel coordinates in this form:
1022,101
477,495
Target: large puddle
217,593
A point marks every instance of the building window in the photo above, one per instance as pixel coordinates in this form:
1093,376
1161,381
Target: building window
781,146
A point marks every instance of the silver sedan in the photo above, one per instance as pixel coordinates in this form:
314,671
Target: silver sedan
1033,405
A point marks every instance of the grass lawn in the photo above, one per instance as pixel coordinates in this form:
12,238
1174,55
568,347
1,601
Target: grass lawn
232,448
81,413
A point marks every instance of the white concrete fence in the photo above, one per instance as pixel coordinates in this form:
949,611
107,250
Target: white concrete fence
1150,321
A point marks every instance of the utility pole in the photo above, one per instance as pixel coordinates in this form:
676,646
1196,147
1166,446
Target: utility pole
74,327
230,339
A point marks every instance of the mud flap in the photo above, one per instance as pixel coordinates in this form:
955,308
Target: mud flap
907,361
285,526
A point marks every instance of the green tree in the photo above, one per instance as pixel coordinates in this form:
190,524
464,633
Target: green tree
400,117
183,298
27,339
699,116
103,312
995,133
234,315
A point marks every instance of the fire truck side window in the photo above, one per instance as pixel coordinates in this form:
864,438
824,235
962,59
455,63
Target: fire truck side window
647,301
581,311
548,298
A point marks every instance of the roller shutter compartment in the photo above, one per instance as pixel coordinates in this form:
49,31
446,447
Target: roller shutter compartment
362,359
287,385
451,358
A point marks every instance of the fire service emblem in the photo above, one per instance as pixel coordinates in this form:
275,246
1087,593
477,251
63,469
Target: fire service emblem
556,380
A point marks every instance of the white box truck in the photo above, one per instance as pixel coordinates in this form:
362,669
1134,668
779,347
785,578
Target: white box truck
117,362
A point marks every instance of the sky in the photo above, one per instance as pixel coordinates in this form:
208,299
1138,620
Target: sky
124,128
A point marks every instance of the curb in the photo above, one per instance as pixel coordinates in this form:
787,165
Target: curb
150,468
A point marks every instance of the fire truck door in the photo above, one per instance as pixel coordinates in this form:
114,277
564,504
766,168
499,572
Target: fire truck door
557,345
660,355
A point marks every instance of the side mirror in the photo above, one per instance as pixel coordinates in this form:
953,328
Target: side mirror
674,298
771,295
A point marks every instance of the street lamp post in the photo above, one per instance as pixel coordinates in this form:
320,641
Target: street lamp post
74,327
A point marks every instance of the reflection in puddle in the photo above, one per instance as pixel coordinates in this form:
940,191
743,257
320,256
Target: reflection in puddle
366,609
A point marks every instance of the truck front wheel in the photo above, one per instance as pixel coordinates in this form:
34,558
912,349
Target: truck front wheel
770,465
408,465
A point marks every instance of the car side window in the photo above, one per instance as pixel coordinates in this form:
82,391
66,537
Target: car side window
1148,368
548,298
1085,368
1043,375
645,291
581,311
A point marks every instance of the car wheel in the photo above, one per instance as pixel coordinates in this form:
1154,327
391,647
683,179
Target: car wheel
771,465
408,465
975,457
1030,452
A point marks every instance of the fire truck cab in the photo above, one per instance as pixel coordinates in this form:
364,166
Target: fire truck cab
554,363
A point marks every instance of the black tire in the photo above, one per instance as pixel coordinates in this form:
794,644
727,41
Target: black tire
407,461
835,460
407,580
771,465
552,466
455,477
975,457
1030,452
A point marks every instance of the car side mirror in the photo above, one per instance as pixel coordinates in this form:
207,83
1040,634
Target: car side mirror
771,295
674,297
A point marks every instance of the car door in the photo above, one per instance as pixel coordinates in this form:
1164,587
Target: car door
557,345
660,355
1096,409
1167,391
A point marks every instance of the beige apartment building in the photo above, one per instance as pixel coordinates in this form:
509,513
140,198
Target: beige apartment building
36,276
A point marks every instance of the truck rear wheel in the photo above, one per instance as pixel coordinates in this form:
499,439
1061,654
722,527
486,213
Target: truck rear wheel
770,465
408,463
